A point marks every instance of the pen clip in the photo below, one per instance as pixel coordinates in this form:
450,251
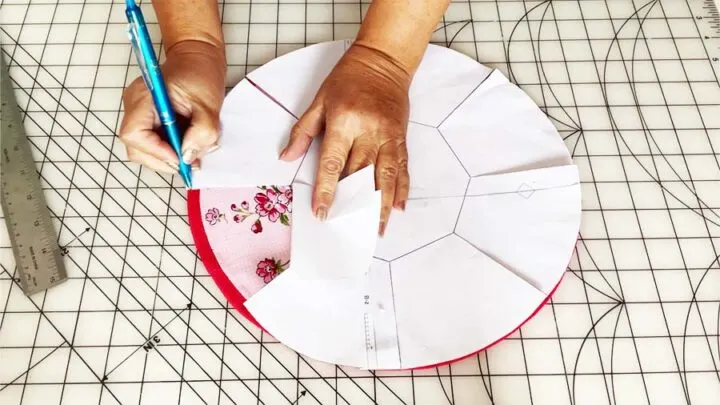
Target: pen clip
139,55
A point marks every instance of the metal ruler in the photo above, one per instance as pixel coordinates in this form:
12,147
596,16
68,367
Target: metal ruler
711,15
32,234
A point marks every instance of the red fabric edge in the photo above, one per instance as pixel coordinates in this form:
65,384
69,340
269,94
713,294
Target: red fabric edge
210,261
237,300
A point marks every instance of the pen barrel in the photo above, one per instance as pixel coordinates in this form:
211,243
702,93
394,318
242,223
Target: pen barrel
153,77
173,134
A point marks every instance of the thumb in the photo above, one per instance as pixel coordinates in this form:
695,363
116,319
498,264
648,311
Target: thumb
202,135
303,132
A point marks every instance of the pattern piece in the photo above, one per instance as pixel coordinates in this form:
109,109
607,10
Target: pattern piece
315,307
493,199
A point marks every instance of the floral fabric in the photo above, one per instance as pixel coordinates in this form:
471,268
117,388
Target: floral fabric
249,231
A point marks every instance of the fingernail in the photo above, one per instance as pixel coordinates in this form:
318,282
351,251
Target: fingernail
189,155
321,214
382,228
174,166
212,149
283,152
402,205
195,166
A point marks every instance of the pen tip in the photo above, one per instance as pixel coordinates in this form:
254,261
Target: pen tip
186,178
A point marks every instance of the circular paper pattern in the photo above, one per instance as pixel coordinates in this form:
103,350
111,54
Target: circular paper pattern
493,214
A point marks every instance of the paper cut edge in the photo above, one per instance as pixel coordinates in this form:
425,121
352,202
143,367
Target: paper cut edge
570,172
496,78
204,179
258,78
296,337
255,78
575,222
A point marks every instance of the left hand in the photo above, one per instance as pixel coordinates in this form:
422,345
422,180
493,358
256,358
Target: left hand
363,108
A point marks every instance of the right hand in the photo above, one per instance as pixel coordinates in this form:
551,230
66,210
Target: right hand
194,73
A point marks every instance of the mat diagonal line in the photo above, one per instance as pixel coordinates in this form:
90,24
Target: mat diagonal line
162,328
130,322
57,100
64,342
24,373
134,297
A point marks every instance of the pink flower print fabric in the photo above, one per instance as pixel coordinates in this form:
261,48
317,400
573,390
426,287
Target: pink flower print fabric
213,216
273,204
269,268
249,231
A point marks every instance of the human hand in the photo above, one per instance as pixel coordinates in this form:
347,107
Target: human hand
194,72
363,107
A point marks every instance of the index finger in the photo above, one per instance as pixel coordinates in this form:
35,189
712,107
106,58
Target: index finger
386,175
334,151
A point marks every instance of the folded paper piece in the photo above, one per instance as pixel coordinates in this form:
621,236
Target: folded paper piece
488,231
326,282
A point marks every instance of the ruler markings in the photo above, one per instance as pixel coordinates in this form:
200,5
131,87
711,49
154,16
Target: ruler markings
32,233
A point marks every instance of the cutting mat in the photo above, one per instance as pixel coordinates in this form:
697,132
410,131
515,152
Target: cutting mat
631,85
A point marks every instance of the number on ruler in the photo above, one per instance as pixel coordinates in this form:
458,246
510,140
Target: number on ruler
151,343
367,299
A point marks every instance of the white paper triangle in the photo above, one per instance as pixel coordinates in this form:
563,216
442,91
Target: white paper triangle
254,131
315,305
499,129
526,221
443,80
310,66
451,299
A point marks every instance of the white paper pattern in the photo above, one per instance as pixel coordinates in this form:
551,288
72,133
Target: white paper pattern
474,310
380,307
487,233
315,305
435,169
526,228
403,235
498,129
295,89
253,132
442,81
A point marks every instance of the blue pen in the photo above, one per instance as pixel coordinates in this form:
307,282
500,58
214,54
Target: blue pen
150,68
